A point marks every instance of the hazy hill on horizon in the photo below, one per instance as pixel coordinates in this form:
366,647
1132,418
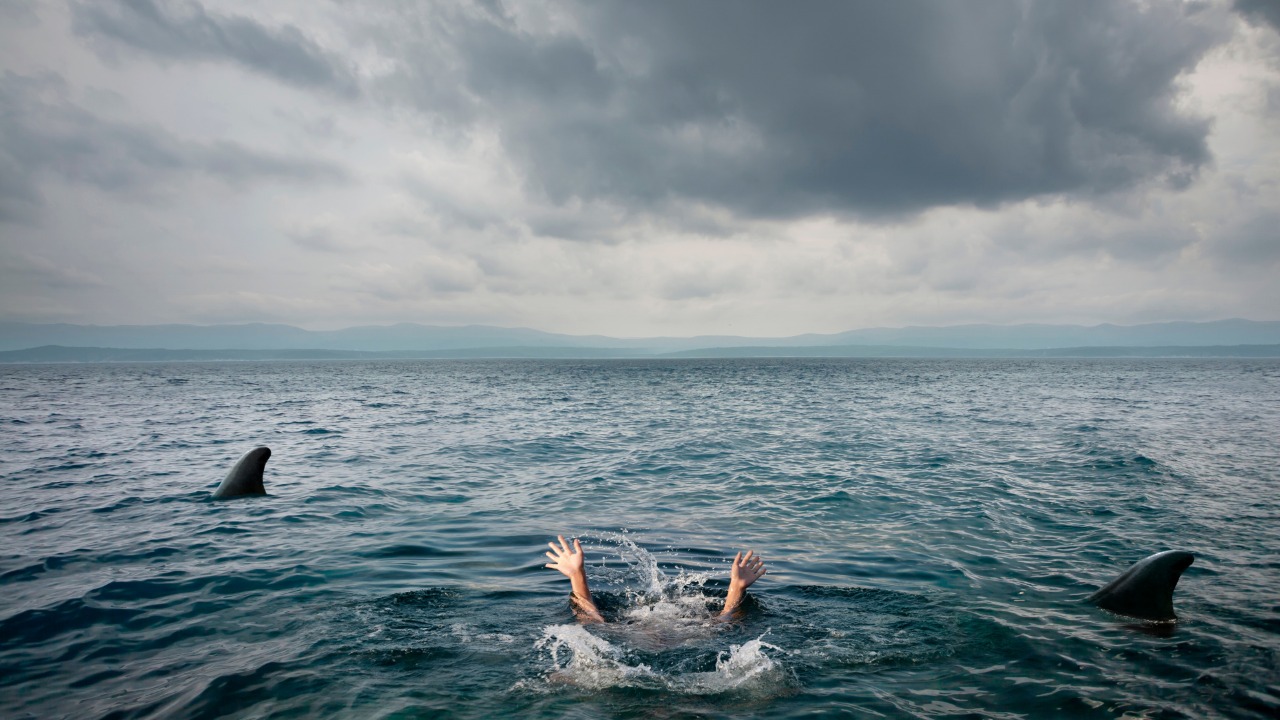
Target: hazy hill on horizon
417,338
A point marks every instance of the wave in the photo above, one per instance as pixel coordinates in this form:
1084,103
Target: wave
584,660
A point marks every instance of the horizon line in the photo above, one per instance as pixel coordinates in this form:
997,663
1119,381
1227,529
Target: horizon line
414,323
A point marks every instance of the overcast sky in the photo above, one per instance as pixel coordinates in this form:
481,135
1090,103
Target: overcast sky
639,168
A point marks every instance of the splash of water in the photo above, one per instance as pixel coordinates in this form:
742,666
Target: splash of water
640,576
662,615
587,661
745,667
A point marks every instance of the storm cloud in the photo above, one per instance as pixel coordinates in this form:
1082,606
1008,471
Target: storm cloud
639,168
779,110
43,133
1266,11
187,32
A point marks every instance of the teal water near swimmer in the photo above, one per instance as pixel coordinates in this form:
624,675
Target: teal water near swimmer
931,529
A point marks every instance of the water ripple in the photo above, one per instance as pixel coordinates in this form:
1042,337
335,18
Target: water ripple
932,529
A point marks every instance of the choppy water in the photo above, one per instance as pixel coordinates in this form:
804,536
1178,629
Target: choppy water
930,527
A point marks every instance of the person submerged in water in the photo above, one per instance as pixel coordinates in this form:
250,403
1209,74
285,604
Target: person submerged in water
570,562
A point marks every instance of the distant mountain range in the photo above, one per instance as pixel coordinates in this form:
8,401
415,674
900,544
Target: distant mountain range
60,353
22,342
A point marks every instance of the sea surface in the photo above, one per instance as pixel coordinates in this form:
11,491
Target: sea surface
931,528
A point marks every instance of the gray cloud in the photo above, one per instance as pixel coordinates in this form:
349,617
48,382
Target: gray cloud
638,168
783,110
193,34
1267,11
43,133
35,269
316,239
237,164
1251,242
21,13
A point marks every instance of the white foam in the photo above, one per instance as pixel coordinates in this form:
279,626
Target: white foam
585,660
663,614
466,634
746,667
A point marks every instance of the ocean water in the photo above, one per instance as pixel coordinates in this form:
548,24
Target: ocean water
931,528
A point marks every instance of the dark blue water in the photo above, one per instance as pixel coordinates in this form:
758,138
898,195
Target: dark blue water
931,527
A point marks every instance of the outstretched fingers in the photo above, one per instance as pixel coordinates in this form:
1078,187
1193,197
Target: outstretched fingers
747,568
564,557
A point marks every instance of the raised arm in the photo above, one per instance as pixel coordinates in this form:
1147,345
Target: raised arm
569,561
745,570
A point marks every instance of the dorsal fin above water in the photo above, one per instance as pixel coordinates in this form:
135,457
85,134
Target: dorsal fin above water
1145,590
245,477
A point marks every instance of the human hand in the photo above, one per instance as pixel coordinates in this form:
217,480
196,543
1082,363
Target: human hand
567,560
745,570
